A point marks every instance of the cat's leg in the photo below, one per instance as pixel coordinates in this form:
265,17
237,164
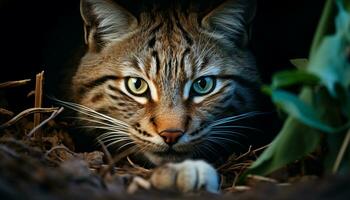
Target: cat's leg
187,176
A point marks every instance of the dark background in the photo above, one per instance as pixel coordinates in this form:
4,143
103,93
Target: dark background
44,35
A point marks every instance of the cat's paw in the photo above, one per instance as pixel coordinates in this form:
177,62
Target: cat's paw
187,176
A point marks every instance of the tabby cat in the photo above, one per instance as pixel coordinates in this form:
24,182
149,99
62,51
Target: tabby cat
169,83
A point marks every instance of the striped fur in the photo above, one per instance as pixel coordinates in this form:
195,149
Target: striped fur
169,49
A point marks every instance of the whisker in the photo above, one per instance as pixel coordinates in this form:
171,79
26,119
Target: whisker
143,148
226,139
107,136
115,139
209,148
235,118
90,112
129,143
228,133
115,142
105,128
239,127
114,124
226,147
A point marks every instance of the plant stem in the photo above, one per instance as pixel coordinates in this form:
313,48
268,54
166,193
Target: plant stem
324,25
341,152
38,102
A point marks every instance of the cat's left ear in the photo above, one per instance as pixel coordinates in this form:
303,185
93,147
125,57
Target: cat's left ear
231,21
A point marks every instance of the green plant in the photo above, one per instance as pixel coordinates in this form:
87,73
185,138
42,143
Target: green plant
322,109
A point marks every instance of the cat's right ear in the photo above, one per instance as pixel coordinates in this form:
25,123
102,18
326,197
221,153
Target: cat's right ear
104,22
231,21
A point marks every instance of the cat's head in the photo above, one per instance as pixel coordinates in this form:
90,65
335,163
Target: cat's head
169,80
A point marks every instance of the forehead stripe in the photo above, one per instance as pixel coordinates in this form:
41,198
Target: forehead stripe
152,42
183,31
101,80
156,29
155,56
97,82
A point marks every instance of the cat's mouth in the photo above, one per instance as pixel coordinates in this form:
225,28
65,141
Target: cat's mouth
171,152
169,155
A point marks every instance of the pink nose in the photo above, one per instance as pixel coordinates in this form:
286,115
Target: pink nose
171,136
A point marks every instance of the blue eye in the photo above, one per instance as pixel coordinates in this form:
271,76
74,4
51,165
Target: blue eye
203,85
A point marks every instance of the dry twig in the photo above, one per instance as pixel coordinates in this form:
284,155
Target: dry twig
57,148
53,115
31,93
25,113
108,155
38,101
3,111
116,159
11,84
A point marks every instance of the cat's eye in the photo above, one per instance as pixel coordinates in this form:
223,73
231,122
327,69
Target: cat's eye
136,86
203,85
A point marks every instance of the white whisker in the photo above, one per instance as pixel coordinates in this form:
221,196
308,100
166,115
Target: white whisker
225,139
90,112
106,128
113,137
114,141
236,126
124,145
110,134
226,133
234,118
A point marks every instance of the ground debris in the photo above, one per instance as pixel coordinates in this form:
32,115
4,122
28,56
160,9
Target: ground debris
50,168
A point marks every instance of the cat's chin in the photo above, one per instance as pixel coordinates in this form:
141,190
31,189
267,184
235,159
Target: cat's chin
161,158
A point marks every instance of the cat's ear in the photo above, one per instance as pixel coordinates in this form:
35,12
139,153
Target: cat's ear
105,22
231,20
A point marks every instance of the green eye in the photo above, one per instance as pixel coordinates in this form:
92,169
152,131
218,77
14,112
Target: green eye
136,86
203,85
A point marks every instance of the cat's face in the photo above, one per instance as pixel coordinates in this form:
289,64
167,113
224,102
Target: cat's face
169,82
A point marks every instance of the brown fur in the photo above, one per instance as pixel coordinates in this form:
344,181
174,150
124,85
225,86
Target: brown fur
167,48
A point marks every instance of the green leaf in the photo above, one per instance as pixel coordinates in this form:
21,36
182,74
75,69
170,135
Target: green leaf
265,89
300,110
293,142
324,25
297,137
289,78
330,60
300,63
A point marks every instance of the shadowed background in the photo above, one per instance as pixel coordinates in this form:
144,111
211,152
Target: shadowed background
37,35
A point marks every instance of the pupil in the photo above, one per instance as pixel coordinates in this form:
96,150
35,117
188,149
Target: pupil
138,83
202,83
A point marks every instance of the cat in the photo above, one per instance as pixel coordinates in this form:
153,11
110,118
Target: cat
170,82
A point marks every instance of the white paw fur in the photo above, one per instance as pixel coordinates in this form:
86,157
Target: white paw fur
187,176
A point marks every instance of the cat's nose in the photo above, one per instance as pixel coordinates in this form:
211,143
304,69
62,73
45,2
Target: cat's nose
171,136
